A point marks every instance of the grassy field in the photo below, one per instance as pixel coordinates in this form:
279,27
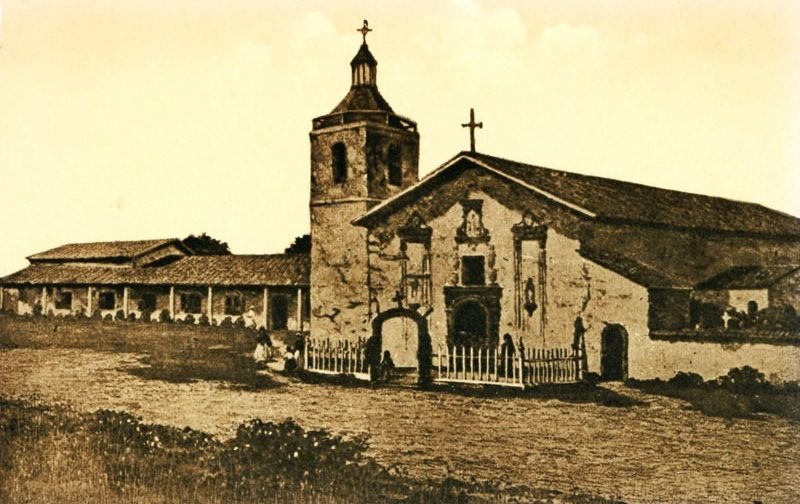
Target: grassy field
53,453
171,352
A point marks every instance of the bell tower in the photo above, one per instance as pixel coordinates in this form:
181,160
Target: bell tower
361,154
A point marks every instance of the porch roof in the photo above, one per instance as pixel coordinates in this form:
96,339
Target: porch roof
227,270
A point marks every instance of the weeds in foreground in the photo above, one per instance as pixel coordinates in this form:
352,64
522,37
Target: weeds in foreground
55,454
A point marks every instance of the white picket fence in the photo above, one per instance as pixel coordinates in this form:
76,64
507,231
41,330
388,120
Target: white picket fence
336,358
505,367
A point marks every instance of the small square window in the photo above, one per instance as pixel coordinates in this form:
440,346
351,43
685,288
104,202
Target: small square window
234,304
107,300
473,270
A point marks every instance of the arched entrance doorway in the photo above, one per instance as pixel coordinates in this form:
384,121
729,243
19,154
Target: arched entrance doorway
415,324
469,324
401,339
614,353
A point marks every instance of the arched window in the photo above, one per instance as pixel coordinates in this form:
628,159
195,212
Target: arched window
339,162
395,159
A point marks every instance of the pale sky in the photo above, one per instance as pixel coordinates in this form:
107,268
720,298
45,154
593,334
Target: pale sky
135,119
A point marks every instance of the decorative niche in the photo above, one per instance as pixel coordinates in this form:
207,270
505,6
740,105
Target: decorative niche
472,229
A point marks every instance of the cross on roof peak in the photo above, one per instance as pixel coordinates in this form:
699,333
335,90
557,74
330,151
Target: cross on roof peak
364,30
472,125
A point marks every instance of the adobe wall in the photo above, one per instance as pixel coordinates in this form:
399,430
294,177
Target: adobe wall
662,359
786,292
339,299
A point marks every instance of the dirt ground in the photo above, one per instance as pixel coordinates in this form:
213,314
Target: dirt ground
654,451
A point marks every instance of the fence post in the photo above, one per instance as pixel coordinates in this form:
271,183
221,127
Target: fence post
480,364
439,361
472,363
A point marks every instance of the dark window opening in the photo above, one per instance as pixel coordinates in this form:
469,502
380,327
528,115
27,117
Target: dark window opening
339,163
148,302
234,304
107,301
279,313
64,301
395,165
191,303
473,270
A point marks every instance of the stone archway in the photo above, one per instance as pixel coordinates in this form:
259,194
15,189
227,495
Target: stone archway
424,347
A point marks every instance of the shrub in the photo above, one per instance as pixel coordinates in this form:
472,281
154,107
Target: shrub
146,315
78,313
239,322
203,320
37,309
51,313
132,317
108,317
189,319
226,322
686,380
97,314
120,315
164,316
743,379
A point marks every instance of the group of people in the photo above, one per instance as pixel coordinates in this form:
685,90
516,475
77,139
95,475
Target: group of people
292,356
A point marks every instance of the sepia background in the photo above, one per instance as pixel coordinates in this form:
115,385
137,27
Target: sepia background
142,119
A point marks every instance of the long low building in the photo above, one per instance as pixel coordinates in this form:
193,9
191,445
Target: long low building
161,280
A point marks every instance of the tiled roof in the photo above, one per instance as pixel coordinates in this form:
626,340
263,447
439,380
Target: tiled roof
632,269
362,98
276,269
239,270
615,201
99,250
748,277
627,201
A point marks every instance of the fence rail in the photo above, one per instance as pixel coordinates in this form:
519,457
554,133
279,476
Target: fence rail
336,358
506,367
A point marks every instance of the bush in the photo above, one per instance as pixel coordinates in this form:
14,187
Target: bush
37,309
189,319
743,379
132,317
120,315
146,315
97,315
686,380
164,316
203,320
78,314
239,322
108,317
226,323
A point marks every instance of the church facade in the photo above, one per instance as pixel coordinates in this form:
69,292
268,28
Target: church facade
485,248
480,251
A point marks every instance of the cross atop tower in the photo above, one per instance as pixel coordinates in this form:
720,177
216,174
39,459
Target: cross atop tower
472,125
364,30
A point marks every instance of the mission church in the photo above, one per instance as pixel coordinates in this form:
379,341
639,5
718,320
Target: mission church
655,281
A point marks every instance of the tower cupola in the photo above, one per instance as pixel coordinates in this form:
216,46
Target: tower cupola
364,67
